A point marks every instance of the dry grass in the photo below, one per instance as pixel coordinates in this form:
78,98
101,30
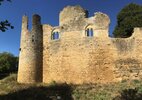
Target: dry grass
11,90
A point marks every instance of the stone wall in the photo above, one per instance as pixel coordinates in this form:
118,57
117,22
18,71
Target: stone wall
76,58
128,60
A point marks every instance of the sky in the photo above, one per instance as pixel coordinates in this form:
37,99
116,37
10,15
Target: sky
49,11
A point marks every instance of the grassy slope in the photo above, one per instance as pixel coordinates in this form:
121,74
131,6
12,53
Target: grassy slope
126,90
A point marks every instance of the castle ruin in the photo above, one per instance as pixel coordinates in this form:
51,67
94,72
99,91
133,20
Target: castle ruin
77,51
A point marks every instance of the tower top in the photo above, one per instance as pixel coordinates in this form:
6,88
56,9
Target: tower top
36,19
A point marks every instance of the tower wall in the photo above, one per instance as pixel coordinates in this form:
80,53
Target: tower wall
30,59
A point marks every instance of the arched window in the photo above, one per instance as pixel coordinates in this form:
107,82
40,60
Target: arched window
55,35
89,32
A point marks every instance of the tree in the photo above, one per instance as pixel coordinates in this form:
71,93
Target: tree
128,18
3,1
4,25
8,63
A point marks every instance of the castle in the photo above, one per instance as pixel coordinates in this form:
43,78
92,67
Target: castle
77,51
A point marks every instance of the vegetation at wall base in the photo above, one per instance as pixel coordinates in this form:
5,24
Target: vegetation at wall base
125,90
8,64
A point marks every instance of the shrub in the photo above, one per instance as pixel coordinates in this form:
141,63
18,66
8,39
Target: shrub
8,63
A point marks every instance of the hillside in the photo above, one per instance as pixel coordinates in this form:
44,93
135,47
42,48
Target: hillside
126,90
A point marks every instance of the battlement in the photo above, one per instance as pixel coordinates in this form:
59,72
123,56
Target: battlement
77,51
35,21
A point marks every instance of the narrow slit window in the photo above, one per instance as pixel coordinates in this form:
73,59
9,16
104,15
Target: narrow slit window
89,32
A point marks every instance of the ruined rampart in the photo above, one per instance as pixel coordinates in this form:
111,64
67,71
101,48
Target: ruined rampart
78,51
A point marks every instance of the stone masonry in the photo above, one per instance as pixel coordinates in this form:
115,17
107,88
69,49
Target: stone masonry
74,57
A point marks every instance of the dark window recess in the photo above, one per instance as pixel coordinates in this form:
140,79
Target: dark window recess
32,40
55,35
89,32
19,49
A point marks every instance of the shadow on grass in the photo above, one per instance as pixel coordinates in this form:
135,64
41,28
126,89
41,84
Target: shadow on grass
58,92
2,76
129,94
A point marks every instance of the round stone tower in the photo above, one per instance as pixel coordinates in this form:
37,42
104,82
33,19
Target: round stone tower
30,58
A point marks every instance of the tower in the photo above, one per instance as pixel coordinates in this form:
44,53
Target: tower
30,58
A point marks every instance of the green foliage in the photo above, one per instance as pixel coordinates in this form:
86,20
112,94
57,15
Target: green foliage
8,63
4,0
136,81
124,81
140,89
128,18
53,83
102,96
4,25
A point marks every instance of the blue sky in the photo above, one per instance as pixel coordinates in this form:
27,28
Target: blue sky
49,12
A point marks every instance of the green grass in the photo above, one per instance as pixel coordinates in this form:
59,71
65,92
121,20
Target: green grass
125,90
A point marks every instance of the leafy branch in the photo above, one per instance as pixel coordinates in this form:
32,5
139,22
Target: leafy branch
3,1
4,25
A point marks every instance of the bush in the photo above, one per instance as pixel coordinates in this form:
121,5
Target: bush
8,63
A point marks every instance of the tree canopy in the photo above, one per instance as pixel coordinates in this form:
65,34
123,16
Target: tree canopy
4,0
128,18
4,25
8,63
